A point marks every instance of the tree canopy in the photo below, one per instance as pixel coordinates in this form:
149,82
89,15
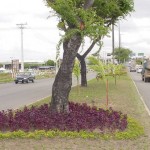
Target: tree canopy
122,54
79,19
49,62
89,16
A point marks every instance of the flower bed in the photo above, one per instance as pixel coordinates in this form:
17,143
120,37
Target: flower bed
80,117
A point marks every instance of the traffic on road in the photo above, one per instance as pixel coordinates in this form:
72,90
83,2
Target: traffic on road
14,96
143,87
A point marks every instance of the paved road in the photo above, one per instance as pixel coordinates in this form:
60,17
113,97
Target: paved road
143,87
13,96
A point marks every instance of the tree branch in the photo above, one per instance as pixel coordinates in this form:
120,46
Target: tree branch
91,47
88,4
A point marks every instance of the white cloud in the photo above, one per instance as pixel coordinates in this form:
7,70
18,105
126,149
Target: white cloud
41,34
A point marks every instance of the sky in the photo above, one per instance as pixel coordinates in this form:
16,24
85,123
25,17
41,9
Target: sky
40,34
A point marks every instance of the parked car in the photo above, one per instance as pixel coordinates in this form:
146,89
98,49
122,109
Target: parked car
24,77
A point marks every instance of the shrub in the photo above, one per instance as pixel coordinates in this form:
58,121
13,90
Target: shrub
80,117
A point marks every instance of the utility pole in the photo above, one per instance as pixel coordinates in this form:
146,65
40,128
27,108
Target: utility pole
119,35
113,42
21,26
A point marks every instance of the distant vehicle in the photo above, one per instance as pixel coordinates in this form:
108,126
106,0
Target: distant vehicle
138,66
139,70
24,77
132,69
146,71
132,66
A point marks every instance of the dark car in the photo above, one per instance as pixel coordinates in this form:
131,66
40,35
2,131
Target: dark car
24,77
132,69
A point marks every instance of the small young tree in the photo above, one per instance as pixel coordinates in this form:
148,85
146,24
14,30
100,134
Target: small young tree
115,70
98,66
76,72
101,70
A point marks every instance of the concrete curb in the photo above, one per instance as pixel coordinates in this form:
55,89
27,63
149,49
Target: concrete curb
148,111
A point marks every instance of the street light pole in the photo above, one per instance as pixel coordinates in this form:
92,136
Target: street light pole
21,26
113,43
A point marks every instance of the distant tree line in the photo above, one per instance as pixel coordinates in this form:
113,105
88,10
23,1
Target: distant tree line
36,65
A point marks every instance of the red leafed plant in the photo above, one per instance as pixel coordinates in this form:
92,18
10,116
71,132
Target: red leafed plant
80,117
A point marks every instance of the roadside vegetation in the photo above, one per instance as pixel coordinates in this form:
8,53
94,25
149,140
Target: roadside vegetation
7,77
123,98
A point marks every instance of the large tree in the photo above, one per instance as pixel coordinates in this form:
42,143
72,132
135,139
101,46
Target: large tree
111,11
77,18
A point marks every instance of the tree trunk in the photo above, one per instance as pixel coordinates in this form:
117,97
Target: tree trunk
81,58
83,70
63,81
83,73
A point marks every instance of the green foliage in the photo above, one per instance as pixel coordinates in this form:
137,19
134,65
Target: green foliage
104,70
31,65
65,10
65,37
72,13
139,61
95,20
112,10
5,77
133,131
122,54
76,69
97,65
50,62
114,70
76,72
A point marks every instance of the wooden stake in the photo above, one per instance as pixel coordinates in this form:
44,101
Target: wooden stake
107,93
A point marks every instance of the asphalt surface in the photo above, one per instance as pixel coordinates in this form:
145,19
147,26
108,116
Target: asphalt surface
143,87
13,96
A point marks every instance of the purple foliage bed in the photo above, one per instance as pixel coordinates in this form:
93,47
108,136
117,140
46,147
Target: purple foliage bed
80,117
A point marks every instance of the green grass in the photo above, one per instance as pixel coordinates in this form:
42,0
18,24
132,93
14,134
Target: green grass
5,77
122,97
133,131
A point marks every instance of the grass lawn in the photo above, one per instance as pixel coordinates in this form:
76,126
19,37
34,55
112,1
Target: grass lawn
122,97
5,77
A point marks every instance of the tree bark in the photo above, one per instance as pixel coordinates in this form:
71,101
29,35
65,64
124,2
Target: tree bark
82,70
63,81
81,58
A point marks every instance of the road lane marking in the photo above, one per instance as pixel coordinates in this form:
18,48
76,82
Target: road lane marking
141,98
